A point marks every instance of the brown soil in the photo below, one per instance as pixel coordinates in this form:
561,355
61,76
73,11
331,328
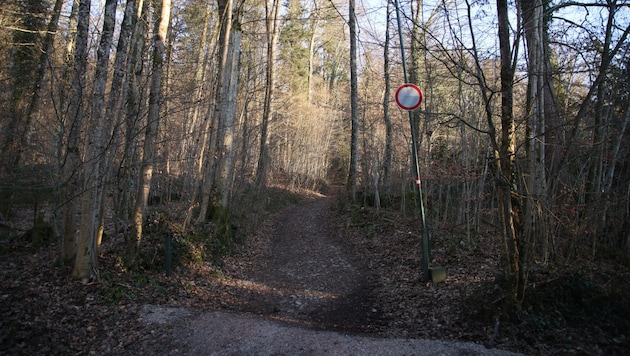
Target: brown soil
308,290
316,278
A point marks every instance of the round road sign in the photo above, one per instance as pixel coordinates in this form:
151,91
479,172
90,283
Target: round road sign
408,97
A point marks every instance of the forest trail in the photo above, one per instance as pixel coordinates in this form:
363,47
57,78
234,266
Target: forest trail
315,279
310,296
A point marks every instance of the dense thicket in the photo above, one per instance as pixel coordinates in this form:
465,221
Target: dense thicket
523,130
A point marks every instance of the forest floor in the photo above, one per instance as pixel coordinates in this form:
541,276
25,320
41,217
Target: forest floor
318,277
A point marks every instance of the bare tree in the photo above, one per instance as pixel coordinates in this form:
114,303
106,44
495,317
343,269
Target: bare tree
228,112
354,106
162,21
508,211
68,160
226,14
387,159
76,116
272,27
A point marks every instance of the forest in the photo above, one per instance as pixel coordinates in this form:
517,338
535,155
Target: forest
122,122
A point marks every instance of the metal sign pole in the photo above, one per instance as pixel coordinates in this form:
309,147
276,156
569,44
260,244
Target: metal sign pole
425,229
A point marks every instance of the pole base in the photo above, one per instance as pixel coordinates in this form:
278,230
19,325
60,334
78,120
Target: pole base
438,274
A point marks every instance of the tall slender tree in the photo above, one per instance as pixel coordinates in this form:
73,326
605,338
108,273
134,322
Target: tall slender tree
354,106
226,15
69,160
86,264
149,154
272,31
76,117
389,129
509,210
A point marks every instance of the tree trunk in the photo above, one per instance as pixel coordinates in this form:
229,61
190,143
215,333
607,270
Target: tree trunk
202,138
229,113
314,23
86,264
68,170
272,31
216,156
541,121
226,102
133,103
76,114
163,8
509,211
191,130
354,107
389,128
114,108
415,64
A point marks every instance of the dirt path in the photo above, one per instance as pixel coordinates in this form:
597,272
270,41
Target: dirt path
309,296
315,278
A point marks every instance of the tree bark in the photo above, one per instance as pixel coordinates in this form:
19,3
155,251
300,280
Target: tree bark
133,103
389,127
226,102
354,107
76,116
509,210
163,8
272,31
68,164
216,156
542,126
86,264
229,115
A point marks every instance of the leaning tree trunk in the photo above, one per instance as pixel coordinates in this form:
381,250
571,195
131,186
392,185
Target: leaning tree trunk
163,9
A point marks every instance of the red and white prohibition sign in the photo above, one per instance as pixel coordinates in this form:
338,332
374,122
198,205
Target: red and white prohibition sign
408,97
